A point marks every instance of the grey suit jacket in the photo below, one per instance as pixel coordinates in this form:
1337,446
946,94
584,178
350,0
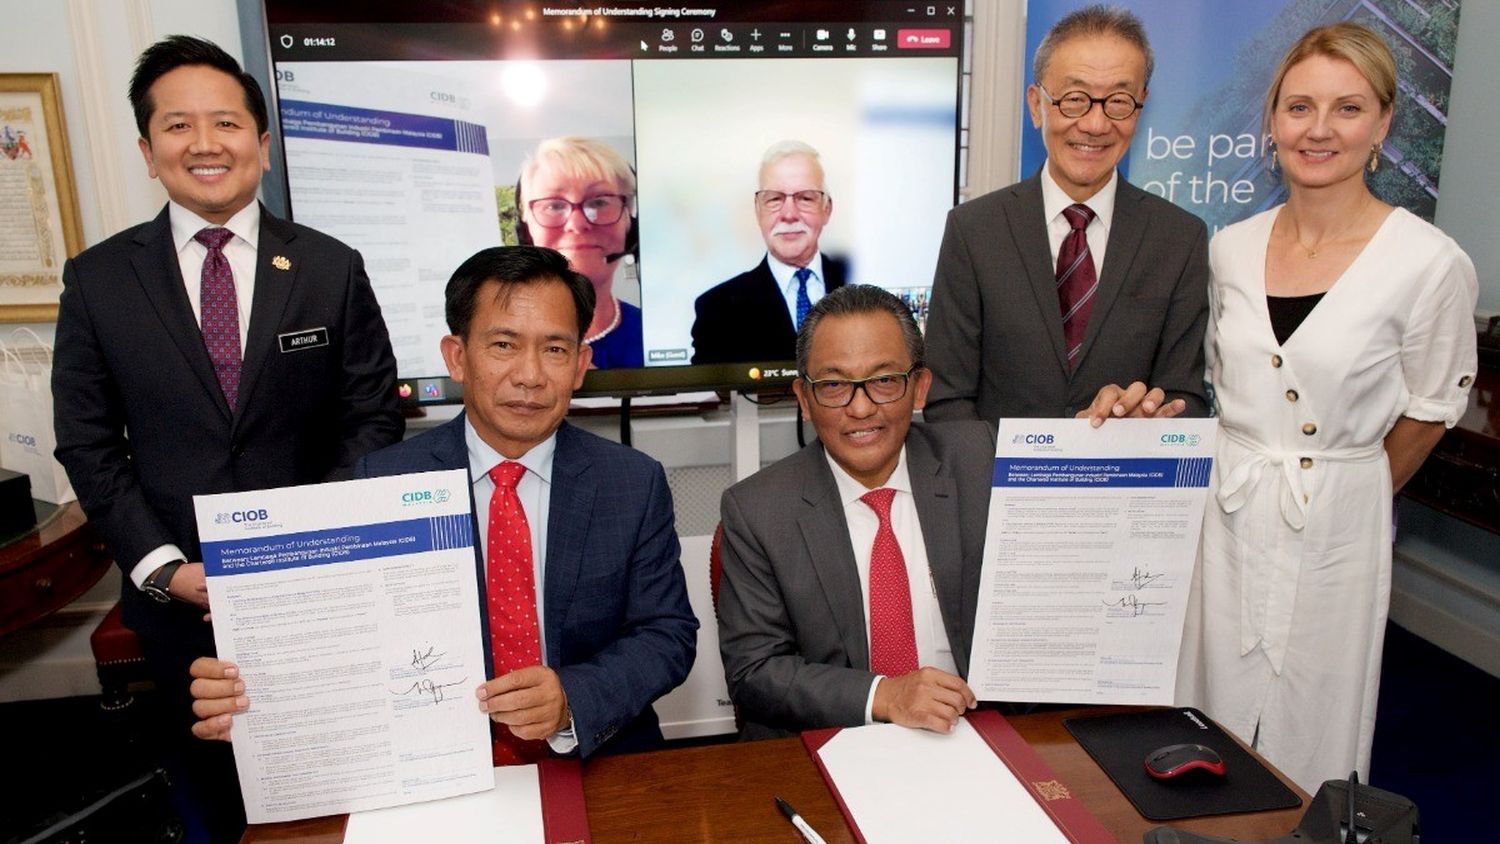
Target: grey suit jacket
791,614
994,333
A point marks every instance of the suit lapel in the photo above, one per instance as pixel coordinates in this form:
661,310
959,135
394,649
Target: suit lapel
273,288
568,517
1125,233
936,495
1028,228
160,276
826,534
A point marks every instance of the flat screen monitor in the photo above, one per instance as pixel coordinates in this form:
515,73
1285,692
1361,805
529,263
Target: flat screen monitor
406,129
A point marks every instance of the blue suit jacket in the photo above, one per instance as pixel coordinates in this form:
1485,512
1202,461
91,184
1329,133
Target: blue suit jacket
620,632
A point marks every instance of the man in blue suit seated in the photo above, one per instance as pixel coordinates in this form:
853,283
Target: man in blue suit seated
615,623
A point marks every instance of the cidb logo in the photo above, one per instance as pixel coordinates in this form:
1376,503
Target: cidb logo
424,496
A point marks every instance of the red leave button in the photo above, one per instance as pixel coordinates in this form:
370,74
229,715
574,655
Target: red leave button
923,39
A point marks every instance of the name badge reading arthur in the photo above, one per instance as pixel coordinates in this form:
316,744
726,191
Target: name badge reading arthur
308,338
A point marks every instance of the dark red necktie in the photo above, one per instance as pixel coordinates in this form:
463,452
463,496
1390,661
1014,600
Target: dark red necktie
219,313
1076,280
893,642
515,639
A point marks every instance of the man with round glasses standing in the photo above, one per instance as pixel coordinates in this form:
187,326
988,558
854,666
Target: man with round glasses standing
851,568
578,196
755,315
1072,280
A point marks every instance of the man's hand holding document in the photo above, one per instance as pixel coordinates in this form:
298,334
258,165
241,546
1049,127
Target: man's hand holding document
351,612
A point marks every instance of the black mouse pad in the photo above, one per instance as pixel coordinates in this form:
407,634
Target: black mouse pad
1120,743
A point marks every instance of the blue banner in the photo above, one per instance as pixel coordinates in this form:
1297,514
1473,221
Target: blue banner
326,122
1089,472
339,545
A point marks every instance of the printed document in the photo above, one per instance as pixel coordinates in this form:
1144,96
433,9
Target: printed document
509,814
352,611
1088,559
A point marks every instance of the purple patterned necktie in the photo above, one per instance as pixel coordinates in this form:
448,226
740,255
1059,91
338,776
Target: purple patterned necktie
220,311
1076,280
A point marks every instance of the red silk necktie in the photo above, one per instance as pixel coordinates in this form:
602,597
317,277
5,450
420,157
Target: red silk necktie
219,312
515,640
893,642
1076,280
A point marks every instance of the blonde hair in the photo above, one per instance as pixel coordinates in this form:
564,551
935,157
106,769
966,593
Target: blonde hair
1351,42
580,158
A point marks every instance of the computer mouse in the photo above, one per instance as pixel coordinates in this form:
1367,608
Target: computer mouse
1175,760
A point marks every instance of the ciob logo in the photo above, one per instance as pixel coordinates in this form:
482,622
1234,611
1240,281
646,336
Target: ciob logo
241,516
23,439
1180,439
424,496
1033,439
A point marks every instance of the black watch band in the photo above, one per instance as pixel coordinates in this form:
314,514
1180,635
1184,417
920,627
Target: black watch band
156,585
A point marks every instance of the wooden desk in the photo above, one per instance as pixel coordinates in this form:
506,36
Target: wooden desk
49,566
723,793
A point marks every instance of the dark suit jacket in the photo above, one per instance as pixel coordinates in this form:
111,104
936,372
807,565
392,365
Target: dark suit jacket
994,333
130,361
619,629
791,613
745,319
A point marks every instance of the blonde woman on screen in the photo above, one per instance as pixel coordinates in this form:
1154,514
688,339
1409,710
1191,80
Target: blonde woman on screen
578,196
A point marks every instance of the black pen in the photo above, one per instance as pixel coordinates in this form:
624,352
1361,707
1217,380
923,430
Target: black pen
797,821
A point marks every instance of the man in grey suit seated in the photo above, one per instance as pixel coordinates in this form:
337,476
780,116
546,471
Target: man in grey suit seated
1073,282
851,568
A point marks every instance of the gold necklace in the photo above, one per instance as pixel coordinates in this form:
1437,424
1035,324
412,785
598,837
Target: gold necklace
1312,251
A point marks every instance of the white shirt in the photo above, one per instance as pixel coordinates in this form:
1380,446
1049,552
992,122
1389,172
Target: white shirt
1101,203
240,251
535,492
933,648
786,279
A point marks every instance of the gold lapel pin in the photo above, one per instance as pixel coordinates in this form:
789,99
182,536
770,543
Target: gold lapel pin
281,262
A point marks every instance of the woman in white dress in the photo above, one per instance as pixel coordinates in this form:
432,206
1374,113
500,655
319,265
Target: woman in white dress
1340,344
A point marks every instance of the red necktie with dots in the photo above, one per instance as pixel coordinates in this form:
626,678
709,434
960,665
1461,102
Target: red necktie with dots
515,640
893,643
220,312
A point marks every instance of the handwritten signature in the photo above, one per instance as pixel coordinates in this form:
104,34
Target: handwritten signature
1136,606
423,660
1143,577
431,689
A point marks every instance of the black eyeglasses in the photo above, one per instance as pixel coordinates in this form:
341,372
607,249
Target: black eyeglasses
1075,104
879,389
807,200
553,211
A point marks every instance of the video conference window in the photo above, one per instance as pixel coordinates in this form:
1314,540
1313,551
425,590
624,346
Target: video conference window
690,164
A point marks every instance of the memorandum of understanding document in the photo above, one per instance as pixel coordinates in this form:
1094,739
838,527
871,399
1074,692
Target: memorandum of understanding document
352,611
1088,559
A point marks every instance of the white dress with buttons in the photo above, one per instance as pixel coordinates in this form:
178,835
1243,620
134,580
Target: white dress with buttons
1285,631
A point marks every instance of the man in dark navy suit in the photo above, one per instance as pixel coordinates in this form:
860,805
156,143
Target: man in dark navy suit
214,349
755,315
615,626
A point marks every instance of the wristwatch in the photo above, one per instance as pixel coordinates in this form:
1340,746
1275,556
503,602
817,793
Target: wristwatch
156,584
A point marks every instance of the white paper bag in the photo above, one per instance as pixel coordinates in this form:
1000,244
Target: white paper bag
26,437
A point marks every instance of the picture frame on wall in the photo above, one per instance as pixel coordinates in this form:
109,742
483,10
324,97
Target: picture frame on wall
39,224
